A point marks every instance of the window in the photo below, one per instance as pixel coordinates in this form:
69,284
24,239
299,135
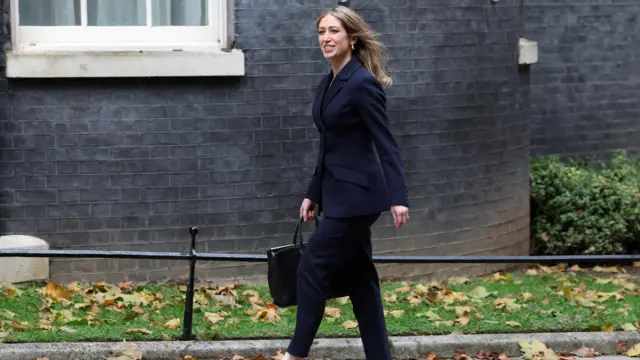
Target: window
193,32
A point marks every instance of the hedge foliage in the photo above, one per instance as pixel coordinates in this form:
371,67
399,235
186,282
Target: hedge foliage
585,207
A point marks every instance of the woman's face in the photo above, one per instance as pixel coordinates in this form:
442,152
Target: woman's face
333,38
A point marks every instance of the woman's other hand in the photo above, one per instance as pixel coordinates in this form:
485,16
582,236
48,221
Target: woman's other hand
307,209
400,215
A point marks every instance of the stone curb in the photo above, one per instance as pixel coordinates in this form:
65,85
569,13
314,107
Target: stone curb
342,348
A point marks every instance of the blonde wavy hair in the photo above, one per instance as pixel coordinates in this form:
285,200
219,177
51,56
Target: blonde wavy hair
367,49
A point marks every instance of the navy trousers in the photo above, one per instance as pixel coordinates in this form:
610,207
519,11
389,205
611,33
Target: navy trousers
340,247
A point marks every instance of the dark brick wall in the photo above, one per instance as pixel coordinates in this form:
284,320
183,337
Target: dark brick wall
586,88
132,163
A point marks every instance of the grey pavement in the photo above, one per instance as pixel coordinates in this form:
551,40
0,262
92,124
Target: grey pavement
412,347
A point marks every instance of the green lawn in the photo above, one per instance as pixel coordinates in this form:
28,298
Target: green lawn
568,300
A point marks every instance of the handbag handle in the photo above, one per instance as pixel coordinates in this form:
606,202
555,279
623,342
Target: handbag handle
298,233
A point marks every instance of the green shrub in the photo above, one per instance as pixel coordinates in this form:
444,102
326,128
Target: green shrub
583,207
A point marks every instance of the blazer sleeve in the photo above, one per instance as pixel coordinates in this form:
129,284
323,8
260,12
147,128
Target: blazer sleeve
370,103
313,190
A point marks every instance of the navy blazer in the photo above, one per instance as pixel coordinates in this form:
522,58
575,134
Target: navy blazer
349,179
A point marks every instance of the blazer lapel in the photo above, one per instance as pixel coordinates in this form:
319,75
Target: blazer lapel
334,89
339,80
317,104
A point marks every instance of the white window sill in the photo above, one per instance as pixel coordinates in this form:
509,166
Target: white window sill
123,61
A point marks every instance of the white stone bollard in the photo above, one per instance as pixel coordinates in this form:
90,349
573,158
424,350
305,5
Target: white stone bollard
23,269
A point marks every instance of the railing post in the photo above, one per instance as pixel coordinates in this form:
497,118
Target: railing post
187,329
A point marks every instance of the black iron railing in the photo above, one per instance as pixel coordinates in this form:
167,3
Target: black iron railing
193,256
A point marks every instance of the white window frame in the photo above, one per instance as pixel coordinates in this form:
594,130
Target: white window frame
106,51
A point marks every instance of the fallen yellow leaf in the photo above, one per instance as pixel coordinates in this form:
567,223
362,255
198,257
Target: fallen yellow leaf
141,331
396,313
130,352
391,298
536,350
513,323
342,300
172,324
463,310
527,296
611,269
213,318
430,315
634,351
462,320
350,324
479,292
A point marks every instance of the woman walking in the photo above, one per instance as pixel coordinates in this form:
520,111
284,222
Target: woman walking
349,185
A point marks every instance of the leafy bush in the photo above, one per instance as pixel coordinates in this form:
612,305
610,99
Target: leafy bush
584,207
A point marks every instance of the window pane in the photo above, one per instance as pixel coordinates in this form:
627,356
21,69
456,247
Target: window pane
49,12
116,12
179,12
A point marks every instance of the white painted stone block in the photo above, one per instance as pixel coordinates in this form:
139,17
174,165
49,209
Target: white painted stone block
22,269
528,53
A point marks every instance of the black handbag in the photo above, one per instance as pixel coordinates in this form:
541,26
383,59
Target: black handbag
282,262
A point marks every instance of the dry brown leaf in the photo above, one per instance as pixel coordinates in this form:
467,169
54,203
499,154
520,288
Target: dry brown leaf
575,268
621,347
7,314
332,312
253,297
402,289
269,314
19,325
349,324
460,355
279,355
513,324
140,331
55,292
189,357
431,356
462,320
531,272
585,352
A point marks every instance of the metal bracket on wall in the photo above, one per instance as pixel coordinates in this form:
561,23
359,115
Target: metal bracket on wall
343,3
